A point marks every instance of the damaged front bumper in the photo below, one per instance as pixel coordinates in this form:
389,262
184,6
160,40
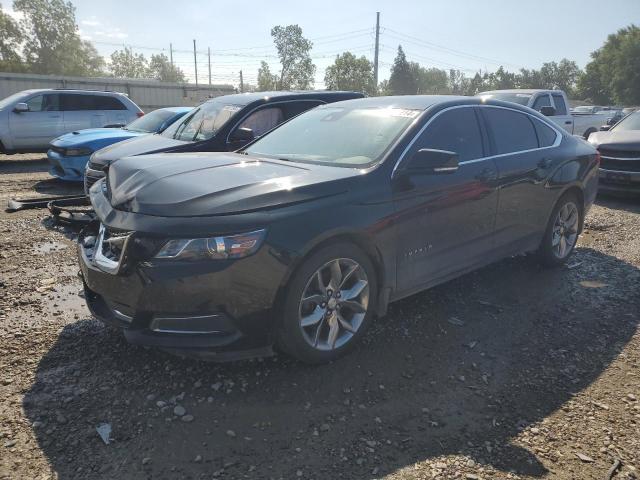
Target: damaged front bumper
216,310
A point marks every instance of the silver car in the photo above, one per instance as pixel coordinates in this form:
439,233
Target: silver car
30,119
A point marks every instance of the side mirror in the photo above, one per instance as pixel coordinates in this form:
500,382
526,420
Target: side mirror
547,111
611,121
21,107
429,161
605,128
242,136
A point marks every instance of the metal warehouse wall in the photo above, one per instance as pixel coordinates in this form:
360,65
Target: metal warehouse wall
148,94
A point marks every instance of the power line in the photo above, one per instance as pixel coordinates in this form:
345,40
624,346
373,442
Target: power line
452,51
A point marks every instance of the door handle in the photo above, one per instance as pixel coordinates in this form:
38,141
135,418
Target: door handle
568,122
544,163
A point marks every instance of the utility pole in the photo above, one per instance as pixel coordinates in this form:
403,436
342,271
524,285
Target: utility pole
209,56
171,53
375,57
241,83
195,60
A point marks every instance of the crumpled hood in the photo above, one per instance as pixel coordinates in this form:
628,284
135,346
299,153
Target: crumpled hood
135,146
622,140
203,184
93,135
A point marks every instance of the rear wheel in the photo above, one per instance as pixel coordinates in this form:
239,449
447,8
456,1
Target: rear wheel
328,304
561,235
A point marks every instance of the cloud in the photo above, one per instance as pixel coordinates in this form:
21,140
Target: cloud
92,22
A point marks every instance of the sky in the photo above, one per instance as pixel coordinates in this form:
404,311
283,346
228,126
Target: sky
469,35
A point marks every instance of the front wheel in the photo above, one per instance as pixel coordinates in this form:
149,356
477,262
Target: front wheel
328,304
562,231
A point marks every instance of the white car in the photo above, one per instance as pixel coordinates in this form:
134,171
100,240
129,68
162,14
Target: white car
553,104
30,119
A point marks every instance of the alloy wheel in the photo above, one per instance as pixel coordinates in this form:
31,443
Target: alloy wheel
565,230
334,304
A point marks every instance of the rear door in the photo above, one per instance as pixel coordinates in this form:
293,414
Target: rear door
78,109
41,124
445,221
523,153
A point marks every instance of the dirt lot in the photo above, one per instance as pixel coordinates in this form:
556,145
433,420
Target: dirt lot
510,372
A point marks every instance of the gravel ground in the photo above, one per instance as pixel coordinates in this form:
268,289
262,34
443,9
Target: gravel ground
510,372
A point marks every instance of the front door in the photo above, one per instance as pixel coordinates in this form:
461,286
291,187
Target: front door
41,124
445,221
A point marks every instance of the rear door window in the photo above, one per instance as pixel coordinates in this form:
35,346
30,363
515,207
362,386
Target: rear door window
546,135
456,131
512,131
80,102
560,105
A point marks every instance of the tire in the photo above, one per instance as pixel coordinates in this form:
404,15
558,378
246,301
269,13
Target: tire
562,231
335,317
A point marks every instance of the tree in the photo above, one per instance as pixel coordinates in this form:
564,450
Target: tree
402,80
11,37
266,80
613,75
52,44
293,49
126,64
350,73
162,69
432,81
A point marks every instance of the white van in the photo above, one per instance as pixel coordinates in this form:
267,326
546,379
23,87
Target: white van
30,119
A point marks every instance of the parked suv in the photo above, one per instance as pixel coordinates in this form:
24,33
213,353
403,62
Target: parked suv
30,119
221,124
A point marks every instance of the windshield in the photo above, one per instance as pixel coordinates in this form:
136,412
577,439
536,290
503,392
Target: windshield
151,122
336,136
203,123
630,122
10,99
520,98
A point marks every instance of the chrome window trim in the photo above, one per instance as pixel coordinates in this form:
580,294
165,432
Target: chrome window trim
619,158
606,170
556,143
267,105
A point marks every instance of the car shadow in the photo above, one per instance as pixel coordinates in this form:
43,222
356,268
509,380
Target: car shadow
460,369
626,203
33,163
53,186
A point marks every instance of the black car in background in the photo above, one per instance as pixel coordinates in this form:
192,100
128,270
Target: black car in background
619,149
221,124
302,237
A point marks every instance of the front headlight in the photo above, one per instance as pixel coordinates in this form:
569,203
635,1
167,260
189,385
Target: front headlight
231,246
78,152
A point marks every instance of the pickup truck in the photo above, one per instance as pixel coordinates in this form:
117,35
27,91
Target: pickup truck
553,104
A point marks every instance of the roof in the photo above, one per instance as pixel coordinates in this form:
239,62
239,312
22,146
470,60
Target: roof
70,90
246,98
413,102
530,91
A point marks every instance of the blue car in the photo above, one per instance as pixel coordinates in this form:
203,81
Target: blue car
68,154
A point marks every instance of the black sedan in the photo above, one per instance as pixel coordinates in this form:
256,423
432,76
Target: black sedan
619,148
305,235
224,123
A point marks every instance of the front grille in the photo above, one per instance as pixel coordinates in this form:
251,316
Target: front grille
619,165
95,166
606,152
